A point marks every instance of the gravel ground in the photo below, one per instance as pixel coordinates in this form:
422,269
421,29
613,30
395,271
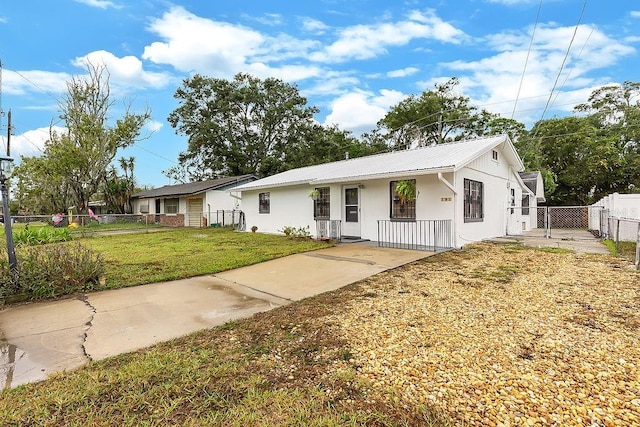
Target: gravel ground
504,335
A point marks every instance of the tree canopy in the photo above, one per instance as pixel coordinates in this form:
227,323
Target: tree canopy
75,163
249,125
437,116
591,154
237,127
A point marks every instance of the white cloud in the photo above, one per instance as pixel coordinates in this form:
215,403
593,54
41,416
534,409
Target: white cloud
221,49
30,143
125,72
635,13
21,82
360,111
284,47
494,81
289,73
198,44
271,19
369,41
332,84
101,4
314,26
153,126
403,72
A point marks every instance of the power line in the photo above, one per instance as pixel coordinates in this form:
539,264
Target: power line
155,154
577,57
566,56
526,61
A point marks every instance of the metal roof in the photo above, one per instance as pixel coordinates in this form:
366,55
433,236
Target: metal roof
531,180
425,160
194,187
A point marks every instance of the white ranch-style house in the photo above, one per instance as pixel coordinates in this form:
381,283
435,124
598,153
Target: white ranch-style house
464,192
195,204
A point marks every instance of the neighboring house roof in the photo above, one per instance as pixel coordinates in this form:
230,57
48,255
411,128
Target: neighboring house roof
448,157
533,180
192,188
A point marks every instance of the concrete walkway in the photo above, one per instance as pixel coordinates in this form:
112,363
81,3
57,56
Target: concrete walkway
37,339
581,241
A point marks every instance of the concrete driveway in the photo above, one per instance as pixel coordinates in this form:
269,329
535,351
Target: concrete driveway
581,241
37,339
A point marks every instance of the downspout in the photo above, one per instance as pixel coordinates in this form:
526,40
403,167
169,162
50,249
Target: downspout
451,187
507,211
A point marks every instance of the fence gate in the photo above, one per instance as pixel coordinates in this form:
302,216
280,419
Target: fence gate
554,219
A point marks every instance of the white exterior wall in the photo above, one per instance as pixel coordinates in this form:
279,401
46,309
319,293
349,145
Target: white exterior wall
498,179
220,200
376,202
150,203
292,206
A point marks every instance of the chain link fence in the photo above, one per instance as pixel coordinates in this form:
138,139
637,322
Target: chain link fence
553,221
624,232
62,220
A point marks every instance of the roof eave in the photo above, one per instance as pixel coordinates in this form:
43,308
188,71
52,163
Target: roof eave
397,174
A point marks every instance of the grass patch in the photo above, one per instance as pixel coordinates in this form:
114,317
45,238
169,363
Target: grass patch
138,258
134,259
551,250
626,250
286,367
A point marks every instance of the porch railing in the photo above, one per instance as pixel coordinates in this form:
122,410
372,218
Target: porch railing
426,234
328,229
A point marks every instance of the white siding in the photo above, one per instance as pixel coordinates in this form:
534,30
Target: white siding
292,206
498,180
220,200
289,206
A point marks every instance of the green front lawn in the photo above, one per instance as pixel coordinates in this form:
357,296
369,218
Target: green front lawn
138,258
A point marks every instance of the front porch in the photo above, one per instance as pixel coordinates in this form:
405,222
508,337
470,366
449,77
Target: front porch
425,235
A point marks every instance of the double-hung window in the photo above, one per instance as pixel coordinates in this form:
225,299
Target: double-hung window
473,201
321,206
171,206
264,203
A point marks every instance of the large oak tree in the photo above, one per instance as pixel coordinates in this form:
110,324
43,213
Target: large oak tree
240,126
436,116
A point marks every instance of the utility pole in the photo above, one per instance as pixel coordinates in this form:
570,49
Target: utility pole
440,126
8,133
5,164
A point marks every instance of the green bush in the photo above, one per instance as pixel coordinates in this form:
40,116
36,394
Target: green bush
300,232
51,270
41,235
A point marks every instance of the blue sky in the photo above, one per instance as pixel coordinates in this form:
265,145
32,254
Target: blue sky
352,59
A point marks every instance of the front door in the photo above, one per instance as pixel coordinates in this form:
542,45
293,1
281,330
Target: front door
158,211
195,213
351,211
